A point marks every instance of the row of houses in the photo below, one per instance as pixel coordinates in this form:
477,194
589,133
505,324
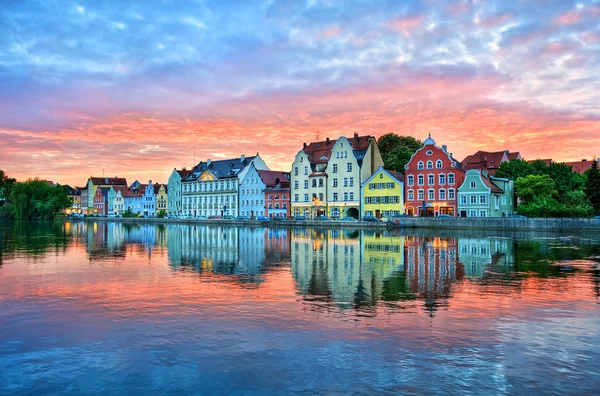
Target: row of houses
333,178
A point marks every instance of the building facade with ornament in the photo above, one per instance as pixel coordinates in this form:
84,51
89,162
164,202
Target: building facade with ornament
432,178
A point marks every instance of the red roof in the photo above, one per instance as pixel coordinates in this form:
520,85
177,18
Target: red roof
484,160
183,172
272,178
320,152
397,175
580,166
490,184
512,156
109,181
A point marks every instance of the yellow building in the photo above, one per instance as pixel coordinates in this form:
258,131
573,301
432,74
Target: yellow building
162,198
382,194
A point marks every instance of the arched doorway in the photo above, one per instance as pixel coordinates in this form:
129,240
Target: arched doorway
352,212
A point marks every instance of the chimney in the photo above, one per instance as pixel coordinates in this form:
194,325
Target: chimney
149,182
208,161
356,135
242,158
327,141
444,147
304,145
184,168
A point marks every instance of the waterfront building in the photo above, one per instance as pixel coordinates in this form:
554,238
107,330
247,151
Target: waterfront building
382,194
477,255
174,192
277,194
94,182
149,199
75,195
211,188
488,161
134,199
116,200
432,177
83,200
99,202
327,175
162,197
251,196
481,195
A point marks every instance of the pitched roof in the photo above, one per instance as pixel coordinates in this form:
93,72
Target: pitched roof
222,169
111,181
320,152
157,188
272,178
490,184
183,172
580,166
484,160
512,156
397,175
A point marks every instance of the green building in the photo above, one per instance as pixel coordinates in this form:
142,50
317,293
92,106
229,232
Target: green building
482,195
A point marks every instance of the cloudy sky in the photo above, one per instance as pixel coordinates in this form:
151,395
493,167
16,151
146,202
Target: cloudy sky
136,87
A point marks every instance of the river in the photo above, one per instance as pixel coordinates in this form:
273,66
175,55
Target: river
112,308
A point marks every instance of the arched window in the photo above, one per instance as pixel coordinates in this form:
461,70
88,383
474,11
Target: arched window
411,180
431,194
451,194
429,164
438,164
411,195
420,180
442,194
430,179
420,194
420,165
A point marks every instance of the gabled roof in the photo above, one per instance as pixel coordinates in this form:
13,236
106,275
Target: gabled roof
580,166
183,172
484,160
110,181
157,188
512,156
222,169
272,178
397,175
320,152
490,184
394,175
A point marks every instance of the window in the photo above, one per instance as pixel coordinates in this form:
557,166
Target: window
438,164
442,194
335,182
351,196
269,197
270,206
345,182
451,194
320,182
463,199
381,175
442,178
306,170
420,195
420,180
420,165
473,213
411,195
295,197
305,184
276,196
429,164
431,194
334,168
473,199
482,199
321,197
473,185
305,197
345,196
295,171
430,179
296,186
451,178
349,167
351,182
497,205
283,196
335,197
410,180
314,183
482,213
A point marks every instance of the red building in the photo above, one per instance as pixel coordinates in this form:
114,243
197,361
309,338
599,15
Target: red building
277,193
99,206
432,178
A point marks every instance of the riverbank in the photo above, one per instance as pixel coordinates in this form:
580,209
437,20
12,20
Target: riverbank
508,224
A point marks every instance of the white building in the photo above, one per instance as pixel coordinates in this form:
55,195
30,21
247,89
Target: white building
175,191
212,187
252,197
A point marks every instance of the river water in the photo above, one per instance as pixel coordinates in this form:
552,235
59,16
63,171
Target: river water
108,308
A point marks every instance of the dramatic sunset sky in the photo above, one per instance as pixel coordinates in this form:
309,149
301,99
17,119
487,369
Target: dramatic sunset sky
135,87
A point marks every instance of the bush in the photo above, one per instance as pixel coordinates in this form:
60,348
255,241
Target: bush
7,212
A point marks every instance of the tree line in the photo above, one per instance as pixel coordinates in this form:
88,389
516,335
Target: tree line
32,199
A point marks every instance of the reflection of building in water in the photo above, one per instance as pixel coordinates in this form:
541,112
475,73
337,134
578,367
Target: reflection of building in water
332,264
252,250
477,253
431,266
210,249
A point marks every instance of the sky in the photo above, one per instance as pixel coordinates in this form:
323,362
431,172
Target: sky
137,88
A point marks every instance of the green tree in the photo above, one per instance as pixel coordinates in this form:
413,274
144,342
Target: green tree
35,199
565,179
514,169
161,214
534,187
397,150
6,184
592,187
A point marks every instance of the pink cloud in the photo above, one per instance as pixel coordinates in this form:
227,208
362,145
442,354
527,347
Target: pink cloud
407,24
495,20
329,32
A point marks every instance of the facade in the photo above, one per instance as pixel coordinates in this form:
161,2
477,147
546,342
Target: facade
481,195
432,177
277,194
162,198
84,200
94,182
99,203
212,187
382,194
251,197
488,161
326,176
116,200
134,199
75,195
174,191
